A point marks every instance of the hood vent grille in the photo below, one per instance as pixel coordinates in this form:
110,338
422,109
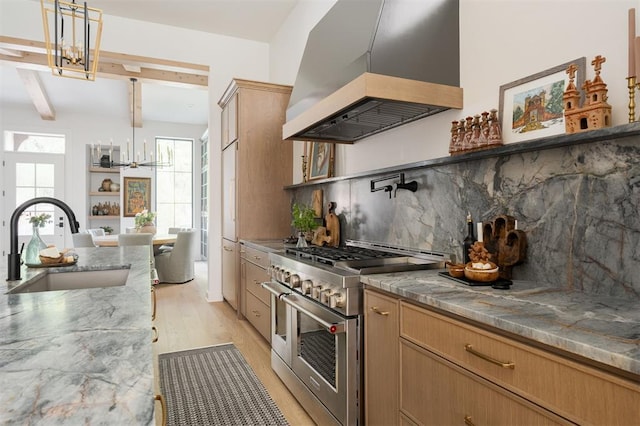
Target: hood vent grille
367,118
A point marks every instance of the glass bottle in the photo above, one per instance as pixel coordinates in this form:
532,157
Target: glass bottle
468,240
32,253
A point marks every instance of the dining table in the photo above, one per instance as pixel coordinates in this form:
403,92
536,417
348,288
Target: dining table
112,240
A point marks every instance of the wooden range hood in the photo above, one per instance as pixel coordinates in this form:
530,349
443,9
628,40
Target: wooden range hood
370,104
369,66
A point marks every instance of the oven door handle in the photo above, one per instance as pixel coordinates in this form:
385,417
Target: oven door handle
276,293
332,327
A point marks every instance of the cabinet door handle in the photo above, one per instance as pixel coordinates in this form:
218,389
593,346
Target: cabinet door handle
256,313
227,248
163,407
153,298
155,334
379,312
508,364
468,421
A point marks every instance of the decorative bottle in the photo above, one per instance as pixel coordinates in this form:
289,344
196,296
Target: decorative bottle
468,240
32,253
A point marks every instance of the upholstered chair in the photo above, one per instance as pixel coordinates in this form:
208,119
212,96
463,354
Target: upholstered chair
138,239
176,266
82,240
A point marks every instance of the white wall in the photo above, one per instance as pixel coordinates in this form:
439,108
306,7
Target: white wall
500,41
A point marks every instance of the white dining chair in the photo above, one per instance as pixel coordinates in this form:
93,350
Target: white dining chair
96,232
82,240
138,239
177,265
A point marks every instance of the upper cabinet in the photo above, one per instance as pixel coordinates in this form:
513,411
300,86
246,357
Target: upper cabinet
229,120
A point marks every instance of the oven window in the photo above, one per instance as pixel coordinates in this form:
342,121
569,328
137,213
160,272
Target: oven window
281,319
317,347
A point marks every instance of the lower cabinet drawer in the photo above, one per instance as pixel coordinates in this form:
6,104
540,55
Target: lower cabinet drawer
562,385
434,391
259,315
255,276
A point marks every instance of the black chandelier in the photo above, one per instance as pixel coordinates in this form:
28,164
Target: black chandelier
132,159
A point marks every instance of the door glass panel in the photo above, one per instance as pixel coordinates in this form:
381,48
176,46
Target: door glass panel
317,347
35,180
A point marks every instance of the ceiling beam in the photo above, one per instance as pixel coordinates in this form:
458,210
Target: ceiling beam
135,104
37,93
32,55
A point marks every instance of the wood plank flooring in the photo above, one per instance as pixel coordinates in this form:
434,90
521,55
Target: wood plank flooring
185,320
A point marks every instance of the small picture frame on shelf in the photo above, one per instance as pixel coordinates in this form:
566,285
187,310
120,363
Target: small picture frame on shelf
137,195
532,107
320,160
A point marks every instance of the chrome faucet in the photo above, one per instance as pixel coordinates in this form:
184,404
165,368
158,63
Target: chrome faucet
14,256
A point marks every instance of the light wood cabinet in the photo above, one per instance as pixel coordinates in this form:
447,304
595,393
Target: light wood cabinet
381,362
255,300
229,272
256,166
451,371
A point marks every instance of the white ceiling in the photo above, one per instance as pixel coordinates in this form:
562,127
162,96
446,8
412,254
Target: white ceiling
250,19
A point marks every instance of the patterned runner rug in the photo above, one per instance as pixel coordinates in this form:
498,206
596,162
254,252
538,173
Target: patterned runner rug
214,386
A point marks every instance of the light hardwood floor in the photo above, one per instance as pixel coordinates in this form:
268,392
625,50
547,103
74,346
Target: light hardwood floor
185,320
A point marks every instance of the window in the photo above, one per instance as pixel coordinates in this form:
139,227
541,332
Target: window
174,189
33,142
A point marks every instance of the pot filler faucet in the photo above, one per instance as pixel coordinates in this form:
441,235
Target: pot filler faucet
14,257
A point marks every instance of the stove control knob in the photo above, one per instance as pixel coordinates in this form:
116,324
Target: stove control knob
325,296
306,286
273,272
295,280
286,276
337,300
315,291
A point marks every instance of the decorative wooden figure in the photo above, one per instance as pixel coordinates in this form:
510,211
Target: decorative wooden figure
596,112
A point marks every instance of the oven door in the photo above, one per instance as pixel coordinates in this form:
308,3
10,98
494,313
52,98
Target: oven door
280,323
325,356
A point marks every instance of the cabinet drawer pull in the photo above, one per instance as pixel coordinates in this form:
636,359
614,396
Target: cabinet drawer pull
257,257
155,334
468,421
508,364
256,313
227,248
378,311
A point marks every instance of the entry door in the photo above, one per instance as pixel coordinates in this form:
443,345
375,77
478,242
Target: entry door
29,175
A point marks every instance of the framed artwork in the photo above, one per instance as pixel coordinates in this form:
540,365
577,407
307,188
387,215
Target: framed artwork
137,195
320,158
532,107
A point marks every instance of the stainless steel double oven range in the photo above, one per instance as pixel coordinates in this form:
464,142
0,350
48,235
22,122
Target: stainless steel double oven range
317,318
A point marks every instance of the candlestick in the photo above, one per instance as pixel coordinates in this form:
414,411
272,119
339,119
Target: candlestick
92,153
479,224
631,84
637,56
633,67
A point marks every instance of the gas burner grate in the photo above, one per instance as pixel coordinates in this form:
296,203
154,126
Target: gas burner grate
331,255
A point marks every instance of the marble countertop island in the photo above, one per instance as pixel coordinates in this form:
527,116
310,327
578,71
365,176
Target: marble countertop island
599,328
80,356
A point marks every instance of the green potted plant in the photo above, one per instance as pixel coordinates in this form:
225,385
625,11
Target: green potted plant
304,221
107,229
144,221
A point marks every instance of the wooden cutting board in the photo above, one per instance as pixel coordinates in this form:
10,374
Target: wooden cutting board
333,226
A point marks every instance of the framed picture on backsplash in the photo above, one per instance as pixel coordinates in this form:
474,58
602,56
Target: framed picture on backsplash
532,107
137,195
320,159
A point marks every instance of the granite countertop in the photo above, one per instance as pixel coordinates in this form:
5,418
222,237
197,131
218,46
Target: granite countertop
79,356
600,328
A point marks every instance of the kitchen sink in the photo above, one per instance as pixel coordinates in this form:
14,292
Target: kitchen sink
54,281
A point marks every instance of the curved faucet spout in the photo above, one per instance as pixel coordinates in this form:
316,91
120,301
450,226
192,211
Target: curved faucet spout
14,256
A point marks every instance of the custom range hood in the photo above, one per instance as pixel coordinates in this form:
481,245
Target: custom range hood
372,65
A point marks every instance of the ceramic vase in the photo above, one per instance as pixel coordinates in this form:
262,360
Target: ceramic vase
32,253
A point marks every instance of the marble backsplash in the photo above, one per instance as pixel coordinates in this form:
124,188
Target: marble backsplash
577,204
